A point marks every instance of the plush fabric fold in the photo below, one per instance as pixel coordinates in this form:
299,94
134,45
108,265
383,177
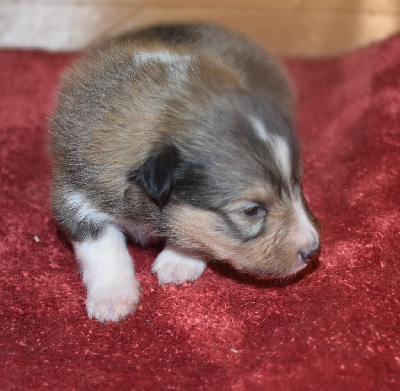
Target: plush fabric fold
338,328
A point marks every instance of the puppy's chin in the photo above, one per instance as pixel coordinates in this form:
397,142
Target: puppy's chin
266,273
276,279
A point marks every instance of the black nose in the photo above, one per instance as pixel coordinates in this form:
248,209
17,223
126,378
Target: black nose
310,254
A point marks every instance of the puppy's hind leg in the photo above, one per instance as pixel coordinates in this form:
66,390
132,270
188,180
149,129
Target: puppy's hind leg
177,266
108,273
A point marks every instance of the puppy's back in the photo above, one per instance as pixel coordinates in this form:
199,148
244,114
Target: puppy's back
258,72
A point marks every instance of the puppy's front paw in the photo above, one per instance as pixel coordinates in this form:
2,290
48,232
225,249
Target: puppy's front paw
113,303
109,276
177,266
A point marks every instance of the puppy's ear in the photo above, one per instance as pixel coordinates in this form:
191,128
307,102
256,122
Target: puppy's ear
156,174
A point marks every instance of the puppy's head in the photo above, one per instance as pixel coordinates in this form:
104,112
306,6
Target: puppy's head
229,185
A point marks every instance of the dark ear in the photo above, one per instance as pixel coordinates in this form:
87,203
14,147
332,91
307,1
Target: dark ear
156,174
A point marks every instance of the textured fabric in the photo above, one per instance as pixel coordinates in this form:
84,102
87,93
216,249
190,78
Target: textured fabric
335,329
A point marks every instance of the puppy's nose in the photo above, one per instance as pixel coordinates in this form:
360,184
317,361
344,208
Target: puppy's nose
309,255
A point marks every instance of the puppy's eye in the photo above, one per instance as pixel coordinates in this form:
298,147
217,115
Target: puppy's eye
254,210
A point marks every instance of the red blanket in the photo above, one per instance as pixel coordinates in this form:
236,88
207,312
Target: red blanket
336,329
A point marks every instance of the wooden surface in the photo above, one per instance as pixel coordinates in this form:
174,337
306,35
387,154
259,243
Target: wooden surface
290,27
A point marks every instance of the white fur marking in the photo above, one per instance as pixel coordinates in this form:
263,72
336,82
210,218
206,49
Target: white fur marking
282,155
260,129
307,236
177,65
177,266
108,273
278,145
84,209
163,56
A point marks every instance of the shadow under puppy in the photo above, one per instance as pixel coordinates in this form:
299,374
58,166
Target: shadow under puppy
182,132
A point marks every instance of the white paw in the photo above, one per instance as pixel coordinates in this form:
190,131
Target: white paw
109,276
177,266
113,303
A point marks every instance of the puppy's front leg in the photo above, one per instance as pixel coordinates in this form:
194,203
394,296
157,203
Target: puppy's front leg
108,273
177,266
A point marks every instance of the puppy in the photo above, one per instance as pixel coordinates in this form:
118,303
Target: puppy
182,133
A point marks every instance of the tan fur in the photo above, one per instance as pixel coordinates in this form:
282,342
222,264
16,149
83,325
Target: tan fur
271,254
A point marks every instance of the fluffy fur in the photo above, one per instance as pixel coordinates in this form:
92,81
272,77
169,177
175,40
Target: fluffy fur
181,132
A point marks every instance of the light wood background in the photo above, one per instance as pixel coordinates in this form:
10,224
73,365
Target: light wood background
289,27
